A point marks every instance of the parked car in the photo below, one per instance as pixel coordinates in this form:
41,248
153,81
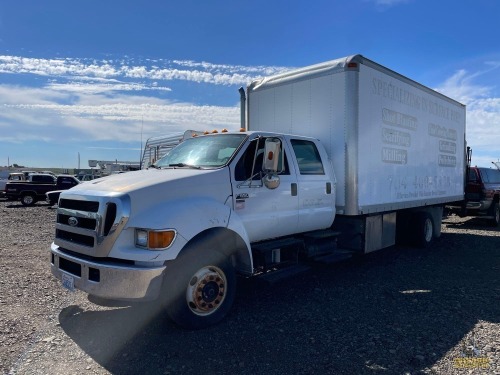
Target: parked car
13,177
482,193
34,189
52,197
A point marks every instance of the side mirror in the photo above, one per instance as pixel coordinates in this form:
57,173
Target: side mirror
272,153
270,163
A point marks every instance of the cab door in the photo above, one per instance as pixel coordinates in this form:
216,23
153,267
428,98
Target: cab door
315,185
266,213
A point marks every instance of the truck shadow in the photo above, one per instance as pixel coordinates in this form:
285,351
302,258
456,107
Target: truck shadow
396,311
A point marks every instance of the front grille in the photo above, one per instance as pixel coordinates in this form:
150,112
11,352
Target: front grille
92,226
83,222
75,237
89,206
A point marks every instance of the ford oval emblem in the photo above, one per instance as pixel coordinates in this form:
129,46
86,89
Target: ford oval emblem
73,221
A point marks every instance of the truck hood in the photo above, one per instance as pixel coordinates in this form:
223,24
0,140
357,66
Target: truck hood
147,187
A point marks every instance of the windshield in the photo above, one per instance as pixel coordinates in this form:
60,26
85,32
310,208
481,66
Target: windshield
211,151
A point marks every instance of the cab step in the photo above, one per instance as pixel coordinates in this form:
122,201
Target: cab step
336,256
271,277
320,243
278,253
276,244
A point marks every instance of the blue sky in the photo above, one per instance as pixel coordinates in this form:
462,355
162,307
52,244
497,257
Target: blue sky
97,77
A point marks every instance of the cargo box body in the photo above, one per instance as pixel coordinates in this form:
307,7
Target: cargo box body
393,142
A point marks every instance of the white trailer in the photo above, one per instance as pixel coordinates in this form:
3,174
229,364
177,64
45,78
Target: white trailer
394,143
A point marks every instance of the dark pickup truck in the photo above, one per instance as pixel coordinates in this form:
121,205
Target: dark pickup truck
482,193
33,190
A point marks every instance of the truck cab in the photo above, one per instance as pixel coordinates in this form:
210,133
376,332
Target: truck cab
212,207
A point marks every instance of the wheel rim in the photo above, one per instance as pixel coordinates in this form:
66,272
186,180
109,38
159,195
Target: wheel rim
28,199
497,214
206,290
428,230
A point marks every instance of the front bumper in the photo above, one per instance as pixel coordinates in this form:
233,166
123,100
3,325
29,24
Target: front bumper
108,280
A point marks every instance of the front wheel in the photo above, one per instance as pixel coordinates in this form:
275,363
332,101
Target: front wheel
199,289
28,200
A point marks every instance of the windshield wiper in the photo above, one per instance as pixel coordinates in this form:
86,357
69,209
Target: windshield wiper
183,165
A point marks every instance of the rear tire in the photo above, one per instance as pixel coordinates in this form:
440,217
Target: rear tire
423,229
199,288
28,200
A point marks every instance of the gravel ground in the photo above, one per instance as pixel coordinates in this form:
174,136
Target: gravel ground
399,311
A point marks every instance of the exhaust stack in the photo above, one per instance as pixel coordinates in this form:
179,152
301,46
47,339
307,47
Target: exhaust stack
243,100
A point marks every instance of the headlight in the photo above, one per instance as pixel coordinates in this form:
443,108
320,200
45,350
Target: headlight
141,237
154,239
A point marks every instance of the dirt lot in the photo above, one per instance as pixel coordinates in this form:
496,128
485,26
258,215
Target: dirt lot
399,311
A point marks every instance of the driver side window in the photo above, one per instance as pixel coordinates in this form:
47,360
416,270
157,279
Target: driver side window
244,166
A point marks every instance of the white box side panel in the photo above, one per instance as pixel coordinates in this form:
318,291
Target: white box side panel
411,144
313,107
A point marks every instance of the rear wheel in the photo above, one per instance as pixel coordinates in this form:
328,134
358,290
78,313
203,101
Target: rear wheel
423,229
199,288
28,200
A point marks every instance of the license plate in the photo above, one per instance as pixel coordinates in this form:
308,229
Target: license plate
68,282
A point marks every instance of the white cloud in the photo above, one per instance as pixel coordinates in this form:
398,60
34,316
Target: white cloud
390,2
157,70
385,4
101,118
110,100
96,88
483,112
461,87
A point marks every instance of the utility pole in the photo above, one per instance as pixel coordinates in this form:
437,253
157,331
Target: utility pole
140,151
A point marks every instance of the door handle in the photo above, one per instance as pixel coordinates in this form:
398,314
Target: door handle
294,189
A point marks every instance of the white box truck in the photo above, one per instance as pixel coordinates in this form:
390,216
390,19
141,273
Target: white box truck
336,159
394,143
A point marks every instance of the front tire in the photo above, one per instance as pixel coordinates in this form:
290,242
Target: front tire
199,288
28,200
